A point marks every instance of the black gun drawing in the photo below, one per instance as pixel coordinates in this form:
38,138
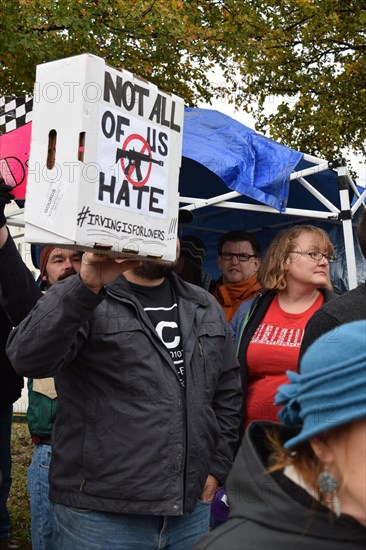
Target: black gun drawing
134,159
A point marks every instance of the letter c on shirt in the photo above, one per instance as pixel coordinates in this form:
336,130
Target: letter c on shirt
159,329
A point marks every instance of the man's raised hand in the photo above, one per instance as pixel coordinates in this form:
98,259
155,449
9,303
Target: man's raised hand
98,270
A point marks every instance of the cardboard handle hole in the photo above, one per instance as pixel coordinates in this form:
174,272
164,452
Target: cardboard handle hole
81,146
51,152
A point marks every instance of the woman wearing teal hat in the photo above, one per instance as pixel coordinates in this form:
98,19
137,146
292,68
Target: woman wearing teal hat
301,484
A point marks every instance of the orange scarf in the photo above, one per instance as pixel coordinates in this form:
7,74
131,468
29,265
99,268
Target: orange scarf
231,295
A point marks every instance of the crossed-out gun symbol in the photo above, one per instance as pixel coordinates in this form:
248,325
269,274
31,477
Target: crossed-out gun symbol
134,160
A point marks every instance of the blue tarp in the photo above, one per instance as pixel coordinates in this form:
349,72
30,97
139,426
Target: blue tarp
245,161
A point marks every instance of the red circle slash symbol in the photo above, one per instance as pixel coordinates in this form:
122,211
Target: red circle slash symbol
136,160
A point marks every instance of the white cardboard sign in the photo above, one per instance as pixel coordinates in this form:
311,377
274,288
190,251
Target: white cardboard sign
104,162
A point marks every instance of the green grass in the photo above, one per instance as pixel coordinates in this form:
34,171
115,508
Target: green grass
18,502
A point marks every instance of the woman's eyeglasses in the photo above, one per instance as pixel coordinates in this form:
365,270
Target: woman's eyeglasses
316,256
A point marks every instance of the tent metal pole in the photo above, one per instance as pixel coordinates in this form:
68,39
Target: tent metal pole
200,203
288,211
346,218
310,158
361,196
196,203
15,218
318,195
358,203
309,171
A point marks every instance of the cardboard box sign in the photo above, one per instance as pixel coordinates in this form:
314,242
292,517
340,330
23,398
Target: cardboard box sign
104,163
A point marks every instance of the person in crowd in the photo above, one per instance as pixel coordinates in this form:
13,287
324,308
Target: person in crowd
149,399
10,390
350,306
239,258
192,247
18,294
302,484
295,277
190,262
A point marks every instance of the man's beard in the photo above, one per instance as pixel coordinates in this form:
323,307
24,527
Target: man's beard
152,270
67,273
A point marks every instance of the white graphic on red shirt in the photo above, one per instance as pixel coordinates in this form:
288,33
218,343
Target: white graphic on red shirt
273,335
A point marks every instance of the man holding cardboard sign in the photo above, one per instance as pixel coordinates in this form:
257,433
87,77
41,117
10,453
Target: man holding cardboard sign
149,403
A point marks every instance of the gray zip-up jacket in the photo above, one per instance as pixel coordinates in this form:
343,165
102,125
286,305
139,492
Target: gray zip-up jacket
128,438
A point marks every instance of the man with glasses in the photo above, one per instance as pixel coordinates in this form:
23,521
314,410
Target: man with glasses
238,260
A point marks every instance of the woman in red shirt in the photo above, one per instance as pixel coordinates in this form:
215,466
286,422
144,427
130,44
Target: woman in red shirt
295,278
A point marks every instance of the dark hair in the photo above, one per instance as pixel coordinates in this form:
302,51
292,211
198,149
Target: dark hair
361,232
239,236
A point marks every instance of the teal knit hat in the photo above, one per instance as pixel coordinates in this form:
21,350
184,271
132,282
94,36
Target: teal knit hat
331,388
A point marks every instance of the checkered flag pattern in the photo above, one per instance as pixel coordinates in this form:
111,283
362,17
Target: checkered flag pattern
14,112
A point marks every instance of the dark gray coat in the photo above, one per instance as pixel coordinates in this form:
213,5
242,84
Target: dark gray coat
18,294
348,307
127,437
270,512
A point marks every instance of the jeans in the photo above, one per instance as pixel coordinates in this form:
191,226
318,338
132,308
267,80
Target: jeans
41,507
6,414
90,530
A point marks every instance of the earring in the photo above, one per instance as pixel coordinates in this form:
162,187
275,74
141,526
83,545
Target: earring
327,482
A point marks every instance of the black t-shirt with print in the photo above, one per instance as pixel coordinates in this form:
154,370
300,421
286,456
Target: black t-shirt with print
160,304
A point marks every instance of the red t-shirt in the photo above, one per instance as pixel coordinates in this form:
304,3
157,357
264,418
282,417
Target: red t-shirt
272,351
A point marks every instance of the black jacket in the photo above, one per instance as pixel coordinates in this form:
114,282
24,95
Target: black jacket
10,383
127,437
270,512
348,307
19,291
18,294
